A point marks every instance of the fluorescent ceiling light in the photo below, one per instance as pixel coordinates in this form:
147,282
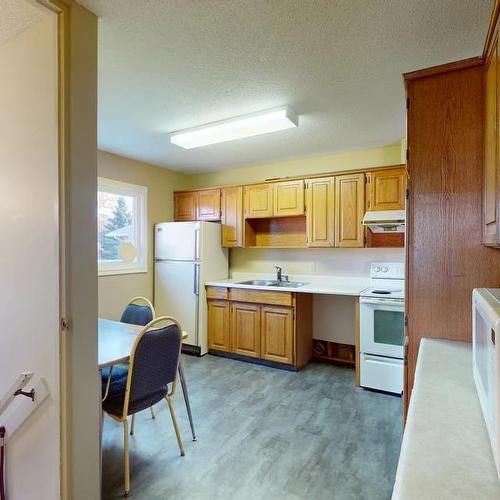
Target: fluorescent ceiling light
236,128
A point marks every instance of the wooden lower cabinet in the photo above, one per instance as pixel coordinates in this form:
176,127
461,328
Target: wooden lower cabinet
245,329
250,323
277,334
218,325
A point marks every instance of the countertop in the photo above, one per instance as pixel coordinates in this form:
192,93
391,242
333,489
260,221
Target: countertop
329,285
446,451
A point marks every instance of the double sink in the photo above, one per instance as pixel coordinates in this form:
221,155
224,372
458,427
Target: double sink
283,284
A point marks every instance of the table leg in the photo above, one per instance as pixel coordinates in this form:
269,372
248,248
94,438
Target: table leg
186,398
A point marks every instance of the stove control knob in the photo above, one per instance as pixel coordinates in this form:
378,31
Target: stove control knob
384,269
376,269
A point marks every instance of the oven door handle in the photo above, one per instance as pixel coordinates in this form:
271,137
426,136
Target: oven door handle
394,302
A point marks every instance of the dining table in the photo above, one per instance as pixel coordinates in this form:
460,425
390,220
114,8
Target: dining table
115,342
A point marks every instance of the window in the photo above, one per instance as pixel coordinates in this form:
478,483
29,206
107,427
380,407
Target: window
121,227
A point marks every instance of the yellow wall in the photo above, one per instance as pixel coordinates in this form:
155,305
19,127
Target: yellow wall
363,158
115,291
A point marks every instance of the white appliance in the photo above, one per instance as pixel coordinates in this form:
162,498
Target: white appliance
486,360
382,328
187,254
383,221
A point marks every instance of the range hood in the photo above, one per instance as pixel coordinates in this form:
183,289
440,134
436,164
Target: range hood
385,221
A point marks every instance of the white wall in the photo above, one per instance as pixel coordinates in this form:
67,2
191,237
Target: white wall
29,283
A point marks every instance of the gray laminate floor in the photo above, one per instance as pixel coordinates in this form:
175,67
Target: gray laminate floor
263,434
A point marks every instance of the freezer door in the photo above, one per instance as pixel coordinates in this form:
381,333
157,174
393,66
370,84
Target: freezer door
177,295
177,241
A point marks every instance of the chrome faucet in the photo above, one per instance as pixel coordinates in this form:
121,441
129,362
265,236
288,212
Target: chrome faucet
279,275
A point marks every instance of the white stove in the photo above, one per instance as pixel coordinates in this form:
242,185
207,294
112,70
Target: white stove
382,328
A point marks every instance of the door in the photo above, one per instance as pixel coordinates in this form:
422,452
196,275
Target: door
208,205
349,210
288,198
491,154
218,325
387,189
258,200
232,217
177,241
245,329
277,334
381,327
176,292
185,206
319,214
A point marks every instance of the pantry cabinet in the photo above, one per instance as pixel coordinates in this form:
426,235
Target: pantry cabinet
270,325
386,189
349,210
258,199
232,216
319,216
491,174
288,198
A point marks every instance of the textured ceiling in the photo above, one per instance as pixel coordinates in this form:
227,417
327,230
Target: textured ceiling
169,65
16,16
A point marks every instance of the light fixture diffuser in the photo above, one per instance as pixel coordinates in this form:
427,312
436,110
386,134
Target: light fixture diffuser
236,128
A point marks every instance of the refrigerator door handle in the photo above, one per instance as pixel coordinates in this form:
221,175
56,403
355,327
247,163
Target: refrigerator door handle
196,290
196,244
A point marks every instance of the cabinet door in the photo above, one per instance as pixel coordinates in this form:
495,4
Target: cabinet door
319,212
289,198
245,329
232,217
387,189
349,210
208,205
491,154
258,201
218,325
185,206
277,334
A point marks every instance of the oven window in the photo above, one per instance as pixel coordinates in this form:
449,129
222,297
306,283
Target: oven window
388,327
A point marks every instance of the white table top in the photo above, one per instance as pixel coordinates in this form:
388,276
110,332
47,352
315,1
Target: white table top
115,341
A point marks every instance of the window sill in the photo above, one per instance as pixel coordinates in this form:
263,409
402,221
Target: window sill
113,272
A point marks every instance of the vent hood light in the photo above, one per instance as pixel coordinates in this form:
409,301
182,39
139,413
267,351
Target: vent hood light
236,128
382,221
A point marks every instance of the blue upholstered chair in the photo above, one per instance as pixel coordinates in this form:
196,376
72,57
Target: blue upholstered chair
139,311
151,377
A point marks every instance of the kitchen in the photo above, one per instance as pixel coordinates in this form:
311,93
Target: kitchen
296,208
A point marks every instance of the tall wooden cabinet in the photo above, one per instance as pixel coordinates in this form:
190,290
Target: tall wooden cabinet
445,256
232,216
349,210
320,216
491,175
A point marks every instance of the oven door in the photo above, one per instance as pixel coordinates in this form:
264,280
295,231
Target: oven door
382,327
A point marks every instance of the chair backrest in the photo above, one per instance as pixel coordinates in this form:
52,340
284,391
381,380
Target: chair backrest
153,364
137,313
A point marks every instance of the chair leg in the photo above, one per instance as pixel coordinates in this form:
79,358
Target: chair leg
132,425
152,412
170,405
126,466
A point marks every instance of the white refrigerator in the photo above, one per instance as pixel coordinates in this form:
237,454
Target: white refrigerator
187,254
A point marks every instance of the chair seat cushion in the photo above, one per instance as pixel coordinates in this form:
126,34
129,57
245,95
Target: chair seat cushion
119,372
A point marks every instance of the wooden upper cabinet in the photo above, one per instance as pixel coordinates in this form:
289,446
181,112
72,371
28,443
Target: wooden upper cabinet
208,205
232,217
387,189
219,325
491,180
258,200
185,206
319,216
289,198
349,210
277,334
245,329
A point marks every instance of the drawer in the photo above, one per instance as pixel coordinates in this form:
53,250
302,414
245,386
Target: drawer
381,373
261,296
217,292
